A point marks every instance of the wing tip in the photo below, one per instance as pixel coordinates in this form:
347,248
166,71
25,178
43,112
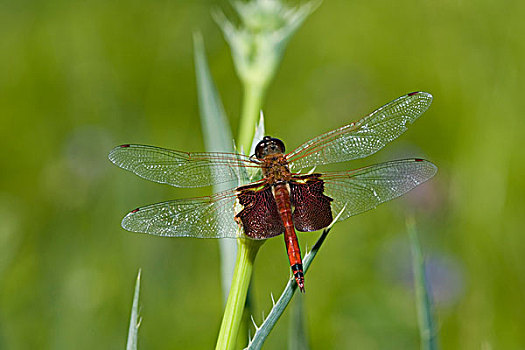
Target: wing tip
126,220
422,99
422,95
431,166
120,152
112,155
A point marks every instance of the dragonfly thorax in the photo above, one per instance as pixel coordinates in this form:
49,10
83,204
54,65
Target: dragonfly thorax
275,168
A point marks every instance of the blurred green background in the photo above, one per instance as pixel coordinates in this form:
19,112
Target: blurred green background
79,77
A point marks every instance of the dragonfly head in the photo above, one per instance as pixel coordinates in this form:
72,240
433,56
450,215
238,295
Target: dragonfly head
267,146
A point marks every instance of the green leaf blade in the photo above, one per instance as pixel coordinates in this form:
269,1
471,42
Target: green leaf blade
427,329
298,333
217,138
134,321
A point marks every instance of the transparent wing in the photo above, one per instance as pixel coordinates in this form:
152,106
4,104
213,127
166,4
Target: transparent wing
364,137
205,217
363,189
180,169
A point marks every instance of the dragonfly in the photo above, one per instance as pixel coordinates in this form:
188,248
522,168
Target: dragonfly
284,199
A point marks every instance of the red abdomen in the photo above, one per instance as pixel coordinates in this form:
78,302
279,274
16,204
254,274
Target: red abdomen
282,198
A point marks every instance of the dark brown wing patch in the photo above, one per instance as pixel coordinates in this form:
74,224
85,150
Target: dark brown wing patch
260,217
312,208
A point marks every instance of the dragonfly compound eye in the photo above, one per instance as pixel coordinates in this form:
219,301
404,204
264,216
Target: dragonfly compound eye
269,145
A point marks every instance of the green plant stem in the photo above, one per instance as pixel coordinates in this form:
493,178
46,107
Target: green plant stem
253,96
246,248
246,252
